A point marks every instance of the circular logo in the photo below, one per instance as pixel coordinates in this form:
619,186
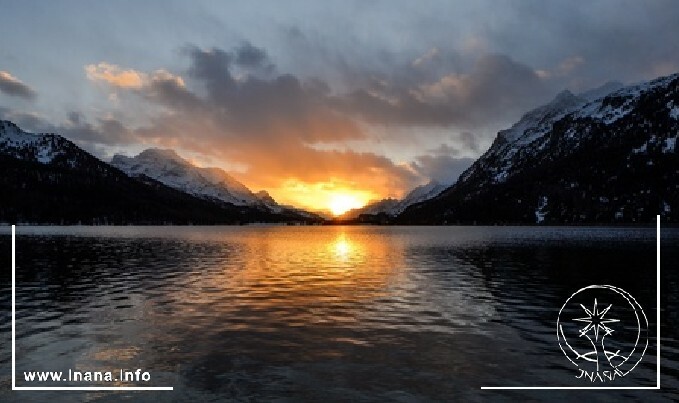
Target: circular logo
603,331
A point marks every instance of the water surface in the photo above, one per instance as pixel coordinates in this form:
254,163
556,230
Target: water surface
325,313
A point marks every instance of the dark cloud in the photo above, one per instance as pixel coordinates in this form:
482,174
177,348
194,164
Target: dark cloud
445,169
470,141
170,91
271,123
623,39
257,106
26,121
74,117
546,46
212,66
106,131
236,105
251,57
445,150
12,86
497,87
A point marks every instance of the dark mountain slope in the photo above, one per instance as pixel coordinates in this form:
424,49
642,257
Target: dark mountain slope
46,178
611,160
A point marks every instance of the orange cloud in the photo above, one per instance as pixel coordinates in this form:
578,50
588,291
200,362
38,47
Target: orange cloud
271,126
116,76
290,170
6,76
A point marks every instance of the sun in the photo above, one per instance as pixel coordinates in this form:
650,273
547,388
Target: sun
332,196
340,203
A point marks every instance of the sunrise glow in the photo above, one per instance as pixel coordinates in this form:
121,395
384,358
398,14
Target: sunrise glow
333,197
340,203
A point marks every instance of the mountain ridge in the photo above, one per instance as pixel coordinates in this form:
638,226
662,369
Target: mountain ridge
394,207
168,167
48,179
607,160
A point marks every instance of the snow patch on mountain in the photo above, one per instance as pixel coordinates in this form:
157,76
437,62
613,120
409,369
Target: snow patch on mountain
673,110
43,148
540,212
642,149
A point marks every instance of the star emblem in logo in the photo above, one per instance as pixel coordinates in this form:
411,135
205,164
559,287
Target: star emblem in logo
596,322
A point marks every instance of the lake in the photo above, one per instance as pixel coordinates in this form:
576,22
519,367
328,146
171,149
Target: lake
358,313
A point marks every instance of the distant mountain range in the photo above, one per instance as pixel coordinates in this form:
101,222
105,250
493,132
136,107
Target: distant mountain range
392,207
48,179
606,156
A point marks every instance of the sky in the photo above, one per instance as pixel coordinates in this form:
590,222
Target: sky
316,101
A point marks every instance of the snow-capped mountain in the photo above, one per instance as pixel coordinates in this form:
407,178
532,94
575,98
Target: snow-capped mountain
418,195
394,207
167,167
45,148
577,159
496,164
48,179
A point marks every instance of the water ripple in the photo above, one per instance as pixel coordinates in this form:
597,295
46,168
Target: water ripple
338,313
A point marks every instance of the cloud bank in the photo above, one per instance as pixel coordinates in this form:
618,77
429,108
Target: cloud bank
375,96
12,86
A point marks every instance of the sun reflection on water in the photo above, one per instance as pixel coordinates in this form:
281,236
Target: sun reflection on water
342,247
279,268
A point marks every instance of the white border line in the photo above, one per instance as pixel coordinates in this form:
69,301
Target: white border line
14,340
14,387
657,286
656,387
